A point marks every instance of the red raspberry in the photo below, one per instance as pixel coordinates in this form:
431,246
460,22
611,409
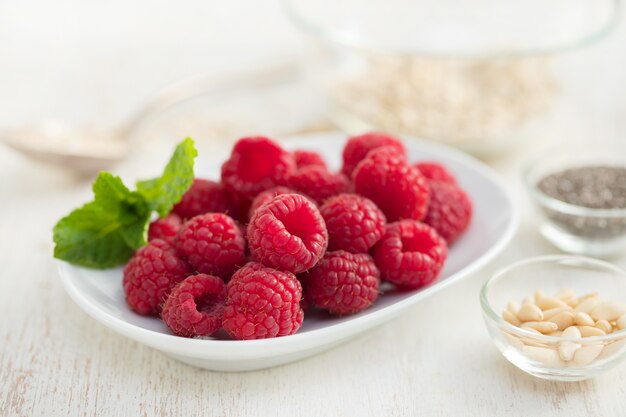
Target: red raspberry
305,303
397,188
256,164
354,223
195,306
165,228
344,282
288,233
318,183
410,254
262,302
150,276
358,147
449,211
308,158
212,243
204,196
240,205
435,171
267,196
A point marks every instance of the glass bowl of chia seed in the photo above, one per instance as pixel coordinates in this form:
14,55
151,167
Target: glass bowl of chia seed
581,196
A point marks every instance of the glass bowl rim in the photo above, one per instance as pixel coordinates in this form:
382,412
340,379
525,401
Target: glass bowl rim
493,316
562,206
334,36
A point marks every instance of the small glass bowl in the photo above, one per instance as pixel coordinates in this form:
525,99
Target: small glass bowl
538,354
572,228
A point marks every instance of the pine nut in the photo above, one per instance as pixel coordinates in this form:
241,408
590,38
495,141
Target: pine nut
514,341
530,312
543,327
584,297
572,332
583,319
588,331
563,320
565,293
546,356
568,319
586,355
511,318
546,303
548,314
586,306
604,325
608,311
531,329
567,350
538,295
513,307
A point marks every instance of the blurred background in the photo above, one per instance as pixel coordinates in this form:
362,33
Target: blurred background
485,76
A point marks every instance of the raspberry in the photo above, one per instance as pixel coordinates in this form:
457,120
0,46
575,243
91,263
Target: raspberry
435,171
195,306
318,183
267,196
288,233
262,302
305,303
308,158
256,164
165,228
204,196
212,243
410,254
397,188
344,282
449,211
240,205
150,276
354,223
358,147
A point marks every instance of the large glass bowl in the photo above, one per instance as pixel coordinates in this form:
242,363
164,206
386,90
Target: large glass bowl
475,74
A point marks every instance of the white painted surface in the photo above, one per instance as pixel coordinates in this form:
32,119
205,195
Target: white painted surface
56,361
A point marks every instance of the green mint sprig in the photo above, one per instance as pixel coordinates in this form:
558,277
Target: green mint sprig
106,231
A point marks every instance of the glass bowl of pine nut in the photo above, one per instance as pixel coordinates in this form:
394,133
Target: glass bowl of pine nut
558,317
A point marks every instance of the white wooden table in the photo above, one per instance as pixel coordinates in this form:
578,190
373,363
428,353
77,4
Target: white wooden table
435,360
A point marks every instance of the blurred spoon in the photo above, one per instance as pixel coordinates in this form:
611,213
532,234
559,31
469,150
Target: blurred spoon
87,150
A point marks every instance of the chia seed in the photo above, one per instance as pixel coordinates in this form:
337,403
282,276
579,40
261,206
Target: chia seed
600,187
594,187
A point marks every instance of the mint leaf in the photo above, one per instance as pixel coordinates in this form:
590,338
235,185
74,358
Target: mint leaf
89,236
134,217
162,193
107,231
104,232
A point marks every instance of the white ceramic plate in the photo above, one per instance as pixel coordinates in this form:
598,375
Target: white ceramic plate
100,293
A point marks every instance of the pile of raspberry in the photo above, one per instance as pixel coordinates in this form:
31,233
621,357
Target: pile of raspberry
282,233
